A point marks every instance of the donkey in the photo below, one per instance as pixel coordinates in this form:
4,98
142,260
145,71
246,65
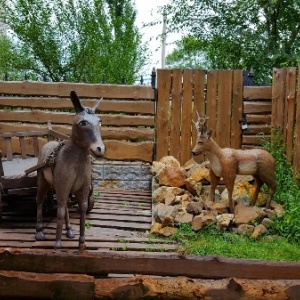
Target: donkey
71,173
227,163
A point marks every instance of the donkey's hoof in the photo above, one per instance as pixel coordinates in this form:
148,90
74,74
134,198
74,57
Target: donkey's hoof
82,247
39,236
58,245
70,234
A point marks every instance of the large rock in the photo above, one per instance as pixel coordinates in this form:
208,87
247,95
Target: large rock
245,229
247,215
204,219
183,218
258,231
195,208
159,195
194,187
158,229
162,211
170,161
171,176
224,221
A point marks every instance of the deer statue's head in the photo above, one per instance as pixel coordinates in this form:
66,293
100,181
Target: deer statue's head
86,127
203,135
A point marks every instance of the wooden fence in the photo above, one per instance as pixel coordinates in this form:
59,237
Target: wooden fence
181,93
286,111
127,113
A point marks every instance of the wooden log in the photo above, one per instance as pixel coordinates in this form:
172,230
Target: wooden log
51,261
42,117
143,287
61,104
261,107
46,286
257,92
84,90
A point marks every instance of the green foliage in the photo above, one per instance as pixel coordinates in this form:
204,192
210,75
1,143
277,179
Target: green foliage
211,241
93,39
239,34
287,192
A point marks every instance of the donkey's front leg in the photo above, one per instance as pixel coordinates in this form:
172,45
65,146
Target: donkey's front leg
83,205
61,215
70,232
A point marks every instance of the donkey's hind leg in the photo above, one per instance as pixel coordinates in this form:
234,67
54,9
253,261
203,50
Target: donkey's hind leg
42,190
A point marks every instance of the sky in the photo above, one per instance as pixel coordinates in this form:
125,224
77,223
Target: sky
147,12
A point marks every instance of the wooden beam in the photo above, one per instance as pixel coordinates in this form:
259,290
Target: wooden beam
50,261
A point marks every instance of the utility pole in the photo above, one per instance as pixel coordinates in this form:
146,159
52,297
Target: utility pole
163,41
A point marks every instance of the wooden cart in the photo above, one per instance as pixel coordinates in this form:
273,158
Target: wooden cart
18,172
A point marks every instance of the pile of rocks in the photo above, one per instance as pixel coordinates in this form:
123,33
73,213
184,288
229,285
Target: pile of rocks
180,196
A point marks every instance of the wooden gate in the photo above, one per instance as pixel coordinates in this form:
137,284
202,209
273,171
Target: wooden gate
181,93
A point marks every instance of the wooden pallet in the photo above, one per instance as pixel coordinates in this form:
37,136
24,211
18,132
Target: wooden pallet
120,221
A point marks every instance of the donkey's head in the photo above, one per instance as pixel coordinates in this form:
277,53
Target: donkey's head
203,135
86,128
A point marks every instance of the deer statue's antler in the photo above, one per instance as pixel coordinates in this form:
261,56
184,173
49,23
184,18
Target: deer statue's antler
200,124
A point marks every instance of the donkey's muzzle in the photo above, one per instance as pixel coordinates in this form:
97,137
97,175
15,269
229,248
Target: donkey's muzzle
194,153
98,151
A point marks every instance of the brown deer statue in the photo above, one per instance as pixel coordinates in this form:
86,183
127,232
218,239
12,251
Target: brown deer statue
227,163
68,170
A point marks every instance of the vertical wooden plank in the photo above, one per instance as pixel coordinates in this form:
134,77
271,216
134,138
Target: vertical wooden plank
237,109
9,153
199,105
296,161
290,112
186,132
175,123
224,108
162,115
36,147
211,100
278,92
22,146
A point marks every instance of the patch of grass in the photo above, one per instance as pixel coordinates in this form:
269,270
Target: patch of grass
88,225
210,241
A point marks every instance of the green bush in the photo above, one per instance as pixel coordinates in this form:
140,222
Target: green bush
287,192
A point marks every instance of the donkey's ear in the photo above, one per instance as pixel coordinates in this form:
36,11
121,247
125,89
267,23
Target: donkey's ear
76,102
96,105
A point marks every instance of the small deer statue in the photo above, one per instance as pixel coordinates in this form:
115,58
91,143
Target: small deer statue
72,171
227,163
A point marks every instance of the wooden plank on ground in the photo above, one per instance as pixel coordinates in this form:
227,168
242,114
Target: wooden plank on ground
46,286
139,263
162,114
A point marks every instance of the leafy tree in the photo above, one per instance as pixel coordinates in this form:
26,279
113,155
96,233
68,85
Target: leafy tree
240,34
76,39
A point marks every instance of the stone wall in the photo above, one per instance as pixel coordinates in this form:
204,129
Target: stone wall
133,175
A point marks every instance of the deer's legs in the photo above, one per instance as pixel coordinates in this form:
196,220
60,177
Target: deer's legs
70,232
259,184
229,182
214,180
42,190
